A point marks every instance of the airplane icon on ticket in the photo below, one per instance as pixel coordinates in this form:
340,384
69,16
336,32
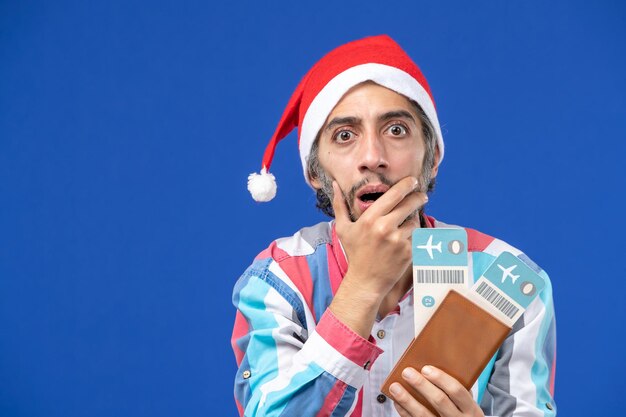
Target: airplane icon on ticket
508,272
429,247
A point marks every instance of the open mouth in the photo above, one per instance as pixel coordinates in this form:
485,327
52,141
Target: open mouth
371,192
370,197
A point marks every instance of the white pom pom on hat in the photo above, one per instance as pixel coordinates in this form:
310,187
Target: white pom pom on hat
262,186
379,59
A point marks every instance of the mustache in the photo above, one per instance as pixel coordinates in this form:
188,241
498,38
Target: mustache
325,193
350,195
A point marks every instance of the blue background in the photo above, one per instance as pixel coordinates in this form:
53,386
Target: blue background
128,129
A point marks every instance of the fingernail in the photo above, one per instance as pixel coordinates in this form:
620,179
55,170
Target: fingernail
409,373
394,388
427,370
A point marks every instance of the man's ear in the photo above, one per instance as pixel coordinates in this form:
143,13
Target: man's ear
433,172
315,182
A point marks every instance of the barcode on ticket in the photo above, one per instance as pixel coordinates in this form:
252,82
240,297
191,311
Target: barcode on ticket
491,294
439,276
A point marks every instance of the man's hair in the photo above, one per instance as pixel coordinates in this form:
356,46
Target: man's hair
315,169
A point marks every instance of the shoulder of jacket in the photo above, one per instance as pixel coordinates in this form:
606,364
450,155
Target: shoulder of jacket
481,242
302,243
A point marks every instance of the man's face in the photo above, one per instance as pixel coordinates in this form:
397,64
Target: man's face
371,140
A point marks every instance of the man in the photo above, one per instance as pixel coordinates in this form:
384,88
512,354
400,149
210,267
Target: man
324,315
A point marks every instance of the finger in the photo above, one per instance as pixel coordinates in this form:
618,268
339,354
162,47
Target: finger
406,228
433,394
407,402
457,393
339,204
406,207
408,225
401,411
392,197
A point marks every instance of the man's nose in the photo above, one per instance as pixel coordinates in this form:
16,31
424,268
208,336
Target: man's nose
372,156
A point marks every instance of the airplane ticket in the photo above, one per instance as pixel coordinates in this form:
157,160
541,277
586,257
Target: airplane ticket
440,263
507,287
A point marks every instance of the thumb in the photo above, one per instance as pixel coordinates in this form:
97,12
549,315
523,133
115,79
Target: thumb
339,205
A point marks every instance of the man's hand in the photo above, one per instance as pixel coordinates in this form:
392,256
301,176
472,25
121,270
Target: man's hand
378,244
378,248
444,393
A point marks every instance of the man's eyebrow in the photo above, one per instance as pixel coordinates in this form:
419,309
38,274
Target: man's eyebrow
396,114
342,121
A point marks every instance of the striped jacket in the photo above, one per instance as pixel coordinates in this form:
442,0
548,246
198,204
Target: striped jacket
296,358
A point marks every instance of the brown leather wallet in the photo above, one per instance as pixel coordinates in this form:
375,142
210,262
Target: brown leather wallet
460,338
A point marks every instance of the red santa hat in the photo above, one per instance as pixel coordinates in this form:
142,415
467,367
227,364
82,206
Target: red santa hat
379,59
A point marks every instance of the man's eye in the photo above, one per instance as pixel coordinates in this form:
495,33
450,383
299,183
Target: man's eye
343,136
397,130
